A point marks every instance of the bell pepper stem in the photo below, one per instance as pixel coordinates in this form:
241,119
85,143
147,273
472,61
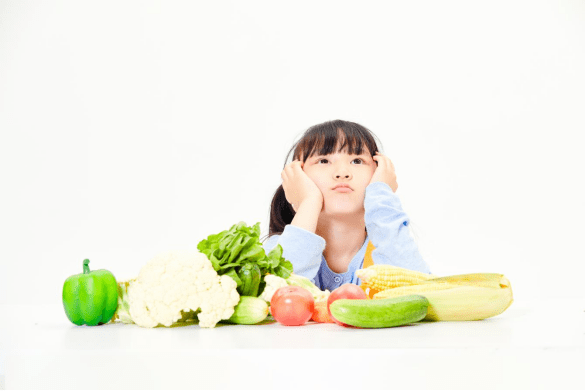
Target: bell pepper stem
86,266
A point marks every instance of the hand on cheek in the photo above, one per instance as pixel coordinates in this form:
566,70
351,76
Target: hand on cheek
384,172
298,187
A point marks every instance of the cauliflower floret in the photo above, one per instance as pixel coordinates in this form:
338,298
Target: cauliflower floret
177,281
272,284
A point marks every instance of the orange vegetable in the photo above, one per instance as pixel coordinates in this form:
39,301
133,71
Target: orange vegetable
320,313
369,291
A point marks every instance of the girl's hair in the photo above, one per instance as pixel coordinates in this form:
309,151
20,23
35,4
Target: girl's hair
320,139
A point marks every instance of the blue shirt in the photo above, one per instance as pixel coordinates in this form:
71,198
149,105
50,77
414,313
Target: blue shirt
386,226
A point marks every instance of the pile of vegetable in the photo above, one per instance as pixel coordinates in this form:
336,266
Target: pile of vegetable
231,279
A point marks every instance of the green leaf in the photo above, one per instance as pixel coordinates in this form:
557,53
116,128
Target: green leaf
276,251
275,256
254,252
229,250
232,273
214,263
284,270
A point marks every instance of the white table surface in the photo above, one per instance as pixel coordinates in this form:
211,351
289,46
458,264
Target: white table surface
535,344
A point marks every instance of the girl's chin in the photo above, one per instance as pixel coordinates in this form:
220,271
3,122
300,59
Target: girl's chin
342,209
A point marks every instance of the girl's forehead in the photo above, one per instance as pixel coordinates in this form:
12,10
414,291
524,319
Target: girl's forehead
364,151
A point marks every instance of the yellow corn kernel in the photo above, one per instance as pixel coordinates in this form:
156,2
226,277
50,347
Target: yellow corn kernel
381,277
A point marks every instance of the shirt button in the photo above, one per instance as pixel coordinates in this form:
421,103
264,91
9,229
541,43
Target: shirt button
337,279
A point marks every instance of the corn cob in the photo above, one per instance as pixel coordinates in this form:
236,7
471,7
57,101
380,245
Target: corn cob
489,280
381,277
462,297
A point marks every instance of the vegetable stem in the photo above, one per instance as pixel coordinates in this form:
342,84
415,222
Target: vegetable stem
86,266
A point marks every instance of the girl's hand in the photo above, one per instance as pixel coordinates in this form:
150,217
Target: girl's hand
298,187
385,171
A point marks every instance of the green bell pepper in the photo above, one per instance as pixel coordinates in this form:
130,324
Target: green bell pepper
90,298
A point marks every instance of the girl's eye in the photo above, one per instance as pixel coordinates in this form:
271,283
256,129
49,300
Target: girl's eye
359,160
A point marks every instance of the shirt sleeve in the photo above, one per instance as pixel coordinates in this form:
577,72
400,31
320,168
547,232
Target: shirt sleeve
387,226
304,249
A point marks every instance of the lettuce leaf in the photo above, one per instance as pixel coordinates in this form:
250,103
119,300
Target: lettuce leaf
231,249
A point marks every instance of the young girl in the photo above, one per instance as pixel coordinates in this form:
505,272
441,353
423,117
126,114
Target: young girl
338,194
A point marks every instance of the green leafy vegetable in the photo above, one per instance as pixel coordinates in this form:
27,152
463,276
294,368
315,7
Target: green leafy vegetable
231,249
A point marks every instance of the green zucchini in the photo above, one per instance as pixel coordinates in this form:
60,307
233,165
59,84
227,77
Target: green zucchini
377,313
250,275
249,310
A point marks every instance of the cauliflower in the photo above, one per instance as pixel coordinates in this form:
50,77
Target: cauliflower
304,282
275,282
272,284
175,283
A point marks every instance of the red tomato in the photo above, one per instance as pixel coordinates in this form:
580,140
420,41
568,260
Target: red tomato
292,305
346,291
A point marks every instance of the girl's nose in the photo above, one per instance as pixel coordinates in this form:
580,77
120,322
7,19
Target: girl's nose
344,176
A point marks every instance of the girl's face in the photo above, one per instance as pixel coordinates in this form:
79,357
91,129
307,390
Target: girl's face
340,168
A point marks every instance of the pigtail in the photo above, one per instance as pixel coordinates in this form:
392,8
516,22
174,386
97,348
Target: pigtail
281,213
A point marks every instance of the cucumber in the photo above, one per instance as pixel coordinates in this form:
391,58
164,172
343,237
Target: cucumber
378,313
250,275
249,310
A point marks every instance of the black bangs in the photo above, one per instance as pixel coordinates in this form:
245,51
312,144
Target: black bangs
322,139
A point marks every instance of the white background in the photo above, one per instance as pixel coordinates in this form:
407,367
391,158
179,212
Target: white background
130,128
